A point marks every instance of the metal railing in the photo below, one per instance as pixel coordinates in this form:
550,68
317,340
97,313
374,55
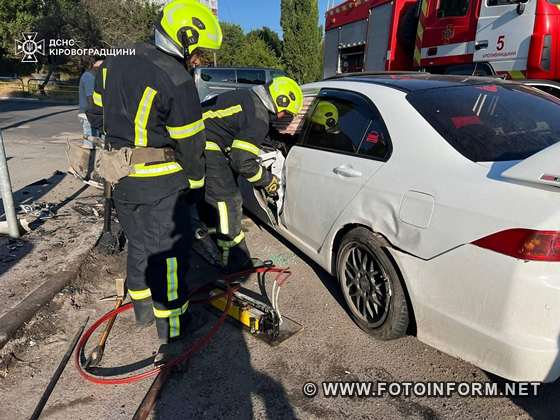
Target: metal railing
54,88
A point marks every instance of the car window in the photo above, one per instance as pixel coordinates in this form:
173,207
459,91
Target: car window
345,122
490,123
551,90
449,8
218,75
500,2
252,77
278,73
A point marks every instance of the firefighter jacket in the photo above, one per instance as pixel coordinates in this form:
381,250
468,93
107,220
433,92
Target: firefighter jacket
150,100
237,123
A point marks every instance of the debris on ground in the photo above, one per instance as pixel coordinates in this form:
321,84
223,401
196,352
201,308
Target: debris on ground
39,210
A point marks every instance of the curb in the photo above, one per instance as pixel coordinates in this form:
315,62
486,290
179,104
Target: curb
13,320
24,311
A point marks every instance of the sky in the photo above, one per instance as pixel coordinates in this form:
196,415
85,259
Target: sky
252,14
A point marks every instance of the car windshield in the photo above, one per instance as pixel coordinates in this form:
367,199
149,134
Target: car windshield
490,123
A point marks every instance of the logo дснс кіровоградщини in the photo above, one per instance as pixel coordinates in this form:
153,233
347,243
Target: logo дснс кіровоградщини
29,48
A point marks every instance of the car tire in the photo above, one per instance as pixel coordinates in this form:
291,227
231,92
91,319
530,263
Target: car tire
371,285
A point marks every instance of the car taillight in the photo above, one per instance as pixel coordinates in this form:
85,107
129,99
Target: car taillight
525,244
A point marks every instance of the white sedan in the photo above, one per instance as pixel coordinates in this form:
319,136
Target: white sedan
435,202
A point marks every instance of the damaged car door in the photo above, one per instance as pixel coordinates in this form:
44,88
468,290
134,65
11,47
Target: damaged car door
344,143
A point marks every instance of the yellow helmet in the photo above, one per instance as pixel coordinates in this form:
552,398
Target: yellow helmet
286,95
326,115
184,26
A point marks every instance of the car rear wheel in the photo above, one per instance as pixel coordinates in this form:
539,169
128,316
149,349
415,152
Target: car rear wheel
371,285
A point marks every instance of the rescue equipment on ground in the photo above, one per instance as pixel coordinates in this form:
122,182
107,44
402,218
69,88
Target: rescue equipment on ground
262,319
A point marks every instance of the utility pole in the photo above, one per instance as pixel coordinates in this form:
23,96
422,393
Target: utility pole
7,196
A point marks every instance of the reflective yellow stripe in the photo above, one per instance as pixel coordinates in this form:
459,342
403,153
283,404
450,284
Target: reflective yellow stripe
185,131
168,313
141,170
257,176
417,56
139,294
174,326
172,282
225,256
210,145
196,183
104,73
224,222
420,32
97,99
142,116
222,113
425,7
245,145
230,244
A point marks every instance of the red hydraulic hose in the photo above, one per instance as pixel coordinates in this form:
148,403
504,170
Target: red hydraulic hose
282,275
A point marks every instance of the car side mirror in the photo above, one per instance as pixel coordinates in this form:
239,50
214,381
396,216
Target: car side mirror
521,7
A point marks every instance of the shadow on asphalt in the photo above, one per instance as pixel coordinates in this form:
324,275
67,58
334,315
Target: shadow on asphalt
544,406
14,250
15,106
330,282
220,381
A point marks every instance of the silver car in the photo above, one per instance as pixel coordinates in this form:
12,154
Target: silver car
211,81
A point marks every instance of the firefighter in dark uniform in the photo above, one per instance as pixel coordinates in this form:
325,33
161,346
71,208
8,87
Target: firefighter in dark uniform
149,109
237,123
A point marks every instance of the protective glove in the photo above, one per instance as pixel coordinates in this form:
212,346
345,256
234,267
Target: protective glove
272,188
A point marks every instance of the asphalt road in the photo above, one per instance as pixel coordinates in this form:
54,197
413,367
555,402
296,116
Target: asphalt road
238,376
35,135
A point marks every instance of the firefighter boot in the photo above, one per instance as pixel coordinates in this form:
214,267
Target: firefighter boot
143,313
170,349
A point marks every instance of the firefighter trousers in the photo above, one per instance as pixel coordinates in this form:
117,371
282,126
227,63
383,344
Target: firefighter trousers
159,246
223,195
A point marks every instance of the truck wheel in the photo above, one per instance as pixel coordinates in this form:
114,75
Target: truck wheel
371,285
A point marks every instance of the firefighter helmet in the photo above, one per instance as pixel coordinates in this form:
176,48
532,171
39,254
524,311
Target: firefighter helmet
325,115
184,26
286,95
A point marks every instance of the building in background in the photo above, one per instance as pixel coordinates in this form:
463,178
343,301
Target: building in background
212,4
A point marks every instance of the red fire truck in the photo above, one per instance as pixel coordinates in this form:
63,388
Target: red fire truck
517,39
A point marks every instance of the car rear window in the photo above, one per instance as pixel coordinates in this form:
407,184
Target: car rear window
490,123
218,75
279,73
251,77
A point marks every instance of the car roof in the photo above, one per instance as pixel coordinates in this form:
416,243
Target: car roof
540,82
238,68
413,82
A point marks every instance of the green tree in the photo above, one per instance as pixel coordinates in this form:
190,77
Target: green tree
240,50
271,38
123,22
256,53
302,39
232,46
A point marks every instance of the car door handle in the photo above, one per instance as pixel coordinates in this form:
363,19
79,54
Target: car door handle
347,172
479,45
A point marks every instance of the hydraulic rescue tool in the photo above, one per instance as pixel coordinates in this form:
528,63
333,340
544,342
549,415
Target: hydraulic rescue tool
261,316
